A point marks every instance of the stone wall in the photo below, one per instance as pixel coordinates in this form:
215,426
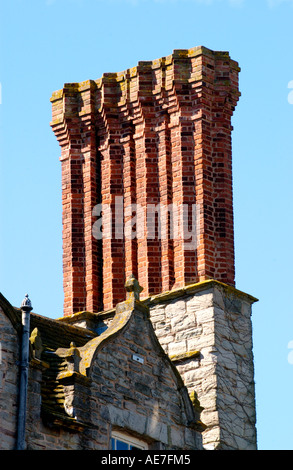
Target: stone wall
8,382
146,399
206,330
39,434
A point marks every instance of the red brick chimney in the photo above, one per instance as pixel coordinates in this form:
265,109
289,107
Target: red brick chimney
158,136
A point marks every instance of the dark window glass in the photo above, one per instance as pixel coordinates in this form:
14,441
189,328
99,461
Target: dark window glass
121,445
117,444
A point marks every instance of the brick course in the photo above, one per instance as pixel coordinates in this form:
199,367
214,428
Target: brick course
157,133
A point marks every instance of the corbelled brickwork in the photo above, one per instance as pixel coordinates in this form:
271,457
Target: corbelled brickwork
154,140
159,133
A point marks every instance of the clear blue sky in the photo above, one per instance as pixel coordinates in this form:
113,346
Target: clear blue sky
45,44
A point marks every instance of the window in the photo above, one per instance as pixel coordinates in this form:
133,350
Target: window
120,441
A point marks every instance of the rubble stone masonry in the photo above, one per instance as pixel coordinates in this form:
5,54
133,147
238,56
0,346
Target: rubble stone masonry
154,136
8,382
206,331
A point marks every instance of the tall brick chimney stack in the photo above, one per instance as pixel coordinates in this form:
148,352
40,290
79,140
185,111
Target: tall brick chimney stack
159,133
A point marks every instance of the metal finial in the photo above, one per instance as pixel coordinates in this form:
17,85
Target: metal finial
26,304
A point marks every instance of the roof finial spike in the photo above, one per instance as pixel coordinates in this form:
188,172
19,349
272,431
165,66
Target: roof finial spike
133,288
26,304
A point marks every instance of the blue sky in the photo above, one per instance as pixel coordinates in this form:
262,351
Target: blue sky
46,43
